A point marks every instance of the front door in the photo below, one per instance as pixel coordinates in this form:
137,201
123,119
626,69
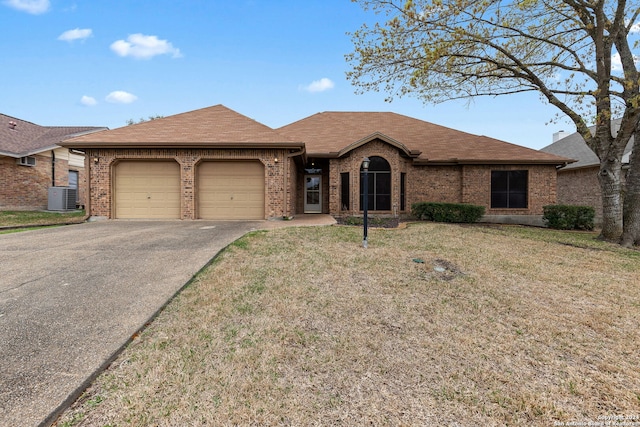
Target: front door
313,194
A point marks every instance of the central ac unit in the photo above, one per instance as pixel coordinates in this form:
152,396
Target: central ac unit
62,198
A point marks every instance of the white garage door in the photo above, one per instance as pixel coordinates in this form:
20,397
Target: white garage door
147,190
230,190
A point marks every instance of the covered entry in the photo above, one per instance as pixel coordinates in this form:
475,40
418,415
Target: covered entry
230,190
147,189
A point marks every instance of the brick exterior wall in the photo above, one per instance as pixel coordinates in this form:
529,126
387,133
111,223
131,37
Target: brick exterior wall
101,163
542,187
352,163
284,180
27,187
581,187
444,183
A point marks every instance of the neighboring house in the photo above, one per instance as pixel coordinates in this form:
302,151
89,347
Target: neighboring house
578,182
31,161
215,163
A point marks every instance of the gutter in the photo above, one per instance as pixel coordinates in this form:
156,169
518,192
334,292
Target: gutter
178,145
53,168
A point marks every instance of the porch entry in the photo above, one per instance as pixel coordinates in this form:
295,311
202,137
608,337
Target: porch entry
313,194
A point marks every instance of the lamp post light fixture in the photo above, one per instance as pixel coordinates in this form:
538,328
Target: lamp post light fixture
365,196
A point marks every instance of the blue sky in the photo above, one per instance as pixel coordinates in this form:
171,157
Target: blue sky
101,63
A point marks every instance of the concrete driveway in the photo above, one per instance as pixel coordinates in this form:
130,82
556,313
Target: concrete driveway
71,297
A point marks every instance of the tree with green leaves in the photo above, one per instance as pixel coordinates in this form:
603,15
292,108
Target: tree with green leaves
142,119
577,54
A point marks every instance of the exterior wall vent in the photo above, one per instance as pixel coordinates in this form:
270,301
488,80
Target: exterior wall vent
26,161
62,199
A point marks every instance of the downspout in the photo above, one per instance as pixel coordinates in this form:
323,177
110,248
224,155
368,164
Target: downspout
53,168
286,180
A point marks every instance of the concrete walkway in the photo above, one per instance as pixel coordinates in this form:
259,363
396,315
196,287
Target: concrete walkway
72,297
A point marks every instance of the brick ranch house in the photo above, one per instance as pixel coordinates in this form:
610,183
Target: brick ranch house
215,163
31,161
578,182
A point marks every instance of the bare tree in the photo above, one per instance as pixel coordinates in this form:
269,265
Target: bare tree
577,54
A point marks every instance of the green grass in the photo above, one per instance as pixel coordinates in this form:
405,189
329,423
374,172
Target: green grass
29,218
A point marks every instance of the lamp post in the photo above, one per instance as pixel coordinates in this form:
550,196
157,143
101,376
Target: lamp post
365,196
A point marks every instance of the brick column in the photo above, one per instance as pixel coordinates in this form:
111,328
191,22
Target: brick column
187,182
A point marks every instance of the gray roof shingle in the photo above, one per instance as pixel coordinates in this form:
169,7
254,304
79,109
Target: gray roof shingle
26,138
575,147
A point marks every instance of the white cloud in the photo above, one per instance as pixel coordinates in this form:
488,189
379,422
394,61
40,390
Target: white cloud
120,97
76,34
616,62
635,28
140,46
319,85
89,101
34,7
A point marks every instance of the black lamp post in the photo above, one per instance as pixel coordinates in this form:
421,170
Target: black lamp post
365,201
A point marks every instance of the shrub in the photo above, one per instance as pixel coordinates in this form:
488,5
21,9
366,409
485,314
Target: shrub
447,212
569,217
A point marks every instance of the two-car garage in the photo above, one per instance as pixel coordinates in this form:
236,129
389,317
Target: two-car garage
224,190
211,163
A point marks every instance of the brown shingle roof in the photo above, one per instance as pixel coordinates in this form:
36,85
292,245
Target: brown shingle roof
217,125
337,132
26,138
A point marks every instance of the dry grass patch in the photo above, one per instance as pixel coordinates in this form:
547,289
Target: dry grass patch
432,325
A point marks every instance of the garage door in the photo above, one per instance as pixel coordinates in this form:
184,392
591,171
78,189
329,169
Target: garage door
230,190
147,190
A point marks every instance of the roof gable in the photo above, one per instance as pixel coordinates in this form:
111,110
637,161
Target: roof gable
216,125
338,133
19,138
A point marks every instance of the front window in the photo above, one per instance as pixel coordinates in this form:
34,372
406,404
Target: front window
344,191
403,191
379,179
509,189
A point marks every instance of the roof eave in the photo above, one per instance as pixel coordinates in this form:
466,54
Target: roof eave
331,155
262,145
30,152
454,161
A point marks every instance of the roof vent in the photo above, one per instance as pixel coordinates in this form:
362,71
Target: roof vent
12,125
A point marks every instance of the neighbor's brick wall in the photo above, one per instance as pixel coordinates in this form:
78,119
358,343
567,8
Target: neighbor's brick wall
476,188
82,186
27,187
581,187
100,175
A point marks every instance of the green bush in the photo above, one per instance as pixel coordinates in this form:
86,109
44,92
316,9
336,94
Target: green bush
569,217
447,212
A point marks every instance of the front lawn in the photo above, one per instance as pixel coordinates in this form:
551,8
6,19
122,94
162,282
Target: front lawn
433,324
20,218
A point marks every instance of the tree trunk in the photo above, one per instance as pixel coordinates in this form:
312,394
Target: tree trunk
631,234
609,177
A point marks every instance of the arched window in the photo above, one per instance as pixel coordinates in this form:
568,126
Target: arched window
379,197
